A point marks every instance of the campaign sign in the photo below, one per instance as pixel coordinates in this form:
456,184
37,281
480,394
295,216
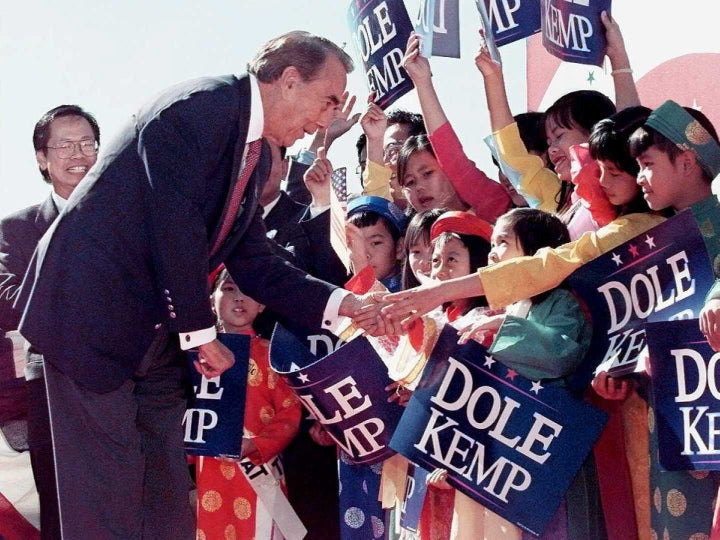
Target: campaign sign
424,27
446,30
509,443
380,30
213,421
572,30
510,20
650,278
345,392
686,389
415,491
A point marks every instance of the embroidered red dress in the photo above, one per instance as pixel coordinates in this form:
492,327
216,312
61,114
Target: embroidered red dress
227,504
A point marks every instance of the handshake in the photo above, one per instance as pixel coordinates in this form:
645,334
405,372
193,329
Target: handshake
388,314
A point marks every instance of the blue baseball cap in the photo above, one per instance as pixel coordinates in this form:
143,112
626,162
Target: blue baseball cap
381,206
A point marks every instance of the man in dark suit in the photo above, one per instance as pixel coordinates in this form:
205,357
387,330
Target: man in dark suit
66,141
122,274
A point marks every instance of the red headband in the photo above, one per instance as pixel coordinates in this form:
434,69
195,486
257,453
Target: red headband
461,223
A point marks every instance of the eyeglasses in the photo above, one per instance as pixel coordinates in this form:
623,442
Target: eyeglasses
67,149
391,151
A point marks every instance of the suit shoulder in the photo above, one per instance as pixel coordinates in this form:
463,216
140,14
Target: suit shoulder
20,217
217,90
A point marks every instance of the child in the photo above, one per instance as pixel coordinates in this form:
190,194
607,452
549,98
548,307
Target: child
227,503
441,157
544,338
417,262
461,245
375,230
678,155
568,122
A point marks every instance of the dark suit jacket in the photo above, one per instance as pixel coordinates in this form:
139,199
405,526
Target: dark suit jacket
129,255
283,218
19,234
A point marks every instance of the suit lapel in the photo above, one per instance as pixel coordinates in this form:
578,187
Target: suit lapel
46,214
239,149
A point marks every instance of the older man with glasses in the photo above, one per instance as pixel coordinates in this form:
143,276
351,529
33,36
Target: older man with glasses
66,141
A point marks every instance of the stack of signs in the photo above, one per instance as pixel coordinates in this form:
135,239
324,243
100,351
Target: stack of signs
511,444
649,278
345,392
380,31
571,29
685,391
213,421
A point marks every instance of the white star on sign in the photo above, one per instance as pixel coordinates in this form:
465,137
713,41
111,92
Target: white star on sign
303,378
616,259
650,241
489,361
536,387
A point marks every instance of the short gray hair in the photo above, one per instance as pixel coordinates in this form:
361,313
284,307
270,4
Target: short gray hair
303,50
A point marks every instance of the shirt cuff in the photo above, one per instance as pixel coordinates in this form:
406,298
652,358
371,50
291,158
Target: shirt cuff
191,340
331,317
315,211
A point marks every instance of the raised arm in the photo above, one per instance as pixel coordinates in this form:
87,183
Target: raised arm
487,197
626,94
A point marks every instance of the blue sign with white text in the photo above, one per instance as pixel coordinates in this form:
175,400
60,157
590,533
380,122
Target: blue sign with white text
213,421
573,31
380,31
511,444
512,20
649,278
345,392
686,392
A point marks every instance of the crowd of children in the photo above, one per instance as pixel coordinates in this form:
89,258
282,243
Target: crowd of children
451,246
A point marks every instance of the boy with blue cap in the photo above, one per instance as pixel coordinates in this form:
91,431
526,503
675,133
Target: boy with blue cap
375,231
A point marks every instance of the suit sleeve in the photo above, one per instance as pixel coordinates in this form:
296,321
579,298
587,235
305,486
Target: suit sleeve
271,280
550,344
14,260
180,149
488,198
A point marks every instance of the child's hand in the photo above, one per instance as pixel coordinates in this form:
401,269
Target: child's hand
247,447
438,479
373,121
479,329
484,62
614,388
398,393
320,435
356,247
417,67
710,323
341,121
317,179
615,51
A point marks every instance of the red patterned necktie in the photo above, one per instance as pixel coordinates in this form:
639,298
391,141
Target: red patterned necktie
251,159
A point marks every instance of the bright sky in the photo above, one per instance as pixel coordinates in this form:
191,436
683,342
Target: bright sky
111,57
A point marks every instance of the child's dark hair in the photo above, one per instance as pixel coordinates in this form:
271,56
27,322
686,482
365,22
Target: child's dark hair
580,109
535,229
418,230
609,142
368,219
645,136
479,249
531,126
412,145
